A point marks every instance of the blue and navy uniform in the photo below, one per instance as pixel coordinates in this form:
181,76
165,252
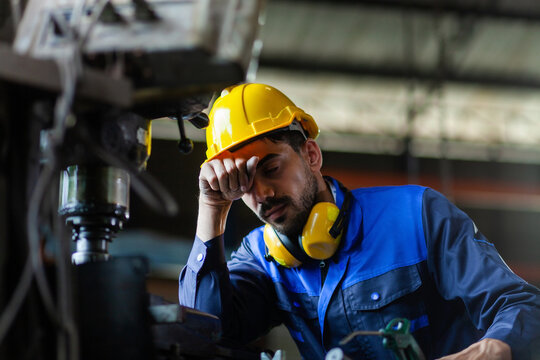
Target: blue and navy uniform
407,252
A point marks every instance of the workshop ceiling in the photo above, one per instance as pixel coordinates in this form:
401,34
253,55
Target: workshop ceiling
434,78
453,79
402,41
461,79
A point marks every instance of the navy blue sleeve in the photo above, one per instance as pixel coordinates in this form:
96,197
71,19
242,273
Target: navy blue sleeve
239,293
466,266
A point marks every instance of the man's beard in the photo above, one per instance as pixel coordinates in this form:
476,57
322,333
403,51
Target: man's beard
292,226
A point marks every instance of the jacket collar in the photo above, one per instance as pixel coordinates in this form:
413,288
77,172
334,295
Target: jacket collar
354,222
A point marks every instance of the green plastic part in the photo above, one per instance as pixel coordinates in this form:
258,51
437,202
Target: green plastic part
397,337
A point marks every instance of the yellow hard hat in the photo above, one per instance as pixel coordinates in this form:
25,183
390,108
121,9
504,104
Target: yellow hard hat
246,111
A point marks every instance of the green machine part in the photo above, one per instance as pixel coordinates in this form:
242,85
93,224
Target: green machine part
397,338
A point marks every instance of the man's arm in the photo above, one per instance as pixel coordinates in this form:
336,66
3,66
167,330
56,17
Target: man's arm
241,295
220,183
465,266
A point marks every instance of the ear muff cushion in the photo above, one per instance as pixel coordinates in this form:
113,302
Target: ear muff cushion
320,237
277,250
316,240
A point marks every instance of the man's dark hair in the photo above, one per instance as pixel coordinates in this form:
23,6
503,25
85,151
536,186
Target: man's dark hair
295,139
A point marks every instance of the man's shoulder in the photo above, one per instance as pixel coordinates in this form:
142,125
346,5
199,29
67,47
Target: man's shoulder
387,231
389,193
390,207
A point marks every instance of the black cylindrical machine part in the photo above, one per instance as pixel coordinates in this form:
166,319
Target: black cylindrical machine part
95,201
94,195
112,305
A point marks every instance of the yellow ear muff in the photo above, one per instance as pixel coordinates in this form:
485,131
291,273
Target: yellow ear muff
316,239
277,249
319,240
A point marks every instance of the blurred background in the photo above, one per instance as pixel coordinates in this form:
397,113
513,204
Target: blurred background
439,93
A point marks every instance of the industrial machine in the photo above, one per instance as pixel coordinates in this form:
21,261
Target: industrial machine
78,89
396,337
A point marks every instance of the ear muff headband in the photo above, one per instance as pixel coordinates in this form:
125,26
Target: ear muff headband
337,228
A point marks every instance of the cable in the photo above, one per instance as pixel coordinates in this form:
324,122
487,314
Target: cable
11,310
32,228
34,265
96,14
68,73
15,13
70,68
64,281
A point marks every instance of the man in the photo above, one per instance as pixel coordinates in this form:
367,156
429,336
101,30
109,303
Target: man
384,253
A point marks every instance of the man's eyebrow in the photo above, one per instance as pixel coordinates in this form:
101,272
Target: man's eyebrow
266,159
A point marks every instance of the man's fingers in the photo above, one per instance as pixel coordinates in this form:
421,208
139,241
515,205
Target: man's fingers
207,178
251,167
222,175
243,179
232,174
230,177
216,175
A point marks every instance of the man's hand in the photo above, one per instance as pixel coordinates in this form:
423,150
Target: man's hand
220,183
487,349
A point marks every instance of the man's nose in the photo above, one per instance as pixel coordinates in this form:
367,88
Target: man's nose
262,191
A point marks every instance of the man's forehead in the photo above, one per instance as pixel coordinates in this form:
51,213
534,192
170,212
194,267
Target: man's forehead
260,148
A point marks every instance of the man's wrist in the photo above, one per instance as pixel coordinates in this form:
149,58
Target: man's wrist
487,348
211,220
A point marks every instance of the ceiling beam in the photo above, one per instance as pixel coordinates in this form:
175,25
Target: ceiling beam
404,72
43,74
465,8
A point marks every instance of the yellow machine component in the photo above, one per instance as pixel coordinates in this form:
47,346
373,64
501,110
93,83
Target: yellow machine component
244,112
316,239
145,138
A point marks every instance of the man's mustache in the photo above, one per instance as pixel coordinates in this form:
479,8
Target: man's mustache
270,203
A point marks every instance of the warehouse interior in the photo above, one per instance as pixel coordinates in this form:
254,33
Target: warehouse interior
442,93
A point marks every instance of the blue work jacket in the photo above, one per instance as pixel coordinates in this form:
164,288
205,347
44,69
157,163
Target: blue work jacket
407,252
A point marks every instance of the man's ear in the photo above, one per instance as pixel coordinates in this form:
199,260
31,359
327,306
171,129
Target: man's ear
312,154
